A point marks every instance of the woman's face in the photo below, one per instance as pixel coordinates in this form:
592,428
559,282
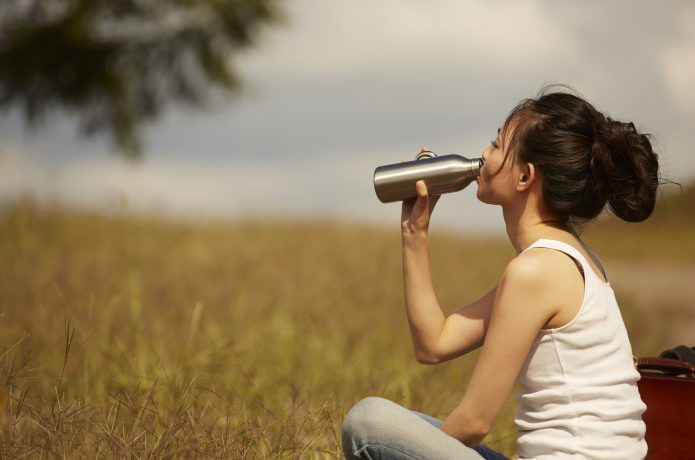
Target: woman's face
497,179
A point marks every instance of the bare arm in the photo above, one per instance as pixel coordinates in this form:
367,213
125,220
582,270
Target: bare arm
436,338
532,290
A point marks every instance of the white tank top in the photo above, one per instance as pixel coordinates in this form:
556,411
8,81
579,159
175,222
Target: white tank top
578,387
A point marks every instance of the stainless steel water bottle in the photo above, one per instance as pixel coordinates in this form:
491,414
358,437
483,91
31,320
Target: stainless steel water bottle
445,174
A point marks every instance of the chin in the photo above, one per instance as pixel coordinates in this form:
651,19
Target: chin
485,198
481,196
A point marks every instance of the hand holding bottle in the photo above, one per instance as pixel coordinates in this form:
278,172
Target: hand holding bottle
416,212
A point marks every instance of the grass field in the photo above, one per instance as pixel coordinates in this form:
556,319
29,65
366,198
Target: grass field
127,336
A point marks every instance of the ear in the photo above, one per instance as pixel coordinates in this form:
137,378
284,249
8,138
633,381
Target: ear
527,176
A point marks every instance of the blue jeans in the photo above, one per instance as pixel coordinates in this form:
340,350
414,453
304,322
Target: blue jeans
376,428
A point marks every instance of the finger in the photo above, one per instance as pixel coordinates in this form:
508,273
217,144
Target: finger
424,199
407,206
420,211
421,189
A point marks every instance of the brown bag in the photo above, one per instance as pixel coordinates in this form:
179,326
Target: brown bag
667,387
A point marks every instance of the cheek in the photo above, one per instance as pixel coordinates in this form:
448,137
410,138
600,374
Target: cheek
489,172
494,185
484,186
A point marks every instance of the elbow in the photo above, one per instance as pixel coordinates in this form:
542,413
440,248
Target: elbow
468,429
475,438
479,431
473,433
427,357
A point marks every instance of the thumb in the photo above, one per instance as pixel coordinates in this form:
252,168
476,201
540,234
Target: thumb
425,201
422,196
421,189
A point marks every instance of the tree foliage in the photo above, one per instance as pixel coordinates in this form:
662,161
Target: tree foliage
118,63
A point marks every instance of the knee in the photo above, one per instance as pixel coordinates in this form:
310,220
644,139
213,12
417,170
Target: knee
365,421
365,415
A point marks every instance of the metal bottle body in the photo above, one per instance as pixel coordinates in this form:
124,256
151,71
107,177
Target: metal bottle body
442,174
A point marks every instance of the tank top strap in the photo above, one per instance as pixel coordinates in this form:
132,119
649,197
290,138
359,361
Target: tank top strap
567,249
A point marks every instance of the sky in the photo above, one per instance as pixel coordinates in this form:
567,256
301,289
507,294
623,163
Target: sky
340,88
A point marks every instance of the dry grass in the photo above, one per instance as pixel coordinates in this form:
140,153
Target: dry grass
140,337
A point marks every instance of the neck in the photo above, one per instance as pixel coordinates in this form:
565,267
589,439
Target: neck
525,226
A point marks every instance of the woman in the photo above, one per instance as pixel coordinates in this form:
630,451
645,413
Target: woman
551,324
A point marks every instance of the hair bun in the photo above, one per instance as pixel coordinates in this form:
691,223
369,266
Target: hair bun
626,169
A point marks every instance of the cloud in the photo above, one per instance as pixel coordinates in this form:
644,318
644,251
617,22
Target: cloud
340,40
678,63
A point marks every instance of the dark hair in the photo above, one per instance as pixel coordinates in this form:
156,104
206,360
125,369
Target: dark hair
586,159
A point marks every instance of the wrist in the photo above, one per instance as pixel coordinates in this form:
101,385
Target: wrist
414,236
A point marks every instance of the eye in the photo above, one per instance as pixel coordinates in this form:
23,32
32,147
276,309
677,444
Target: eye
493,143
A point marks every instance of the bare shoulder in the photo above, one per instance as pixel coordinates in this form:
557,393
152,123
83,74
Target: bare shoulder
546,280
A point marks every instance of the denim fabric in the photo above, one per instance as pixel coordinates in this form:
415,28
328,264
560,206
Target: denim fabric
376,428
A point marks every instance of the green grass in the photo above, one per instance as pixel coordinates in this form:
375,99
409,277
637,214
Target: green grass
143,337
